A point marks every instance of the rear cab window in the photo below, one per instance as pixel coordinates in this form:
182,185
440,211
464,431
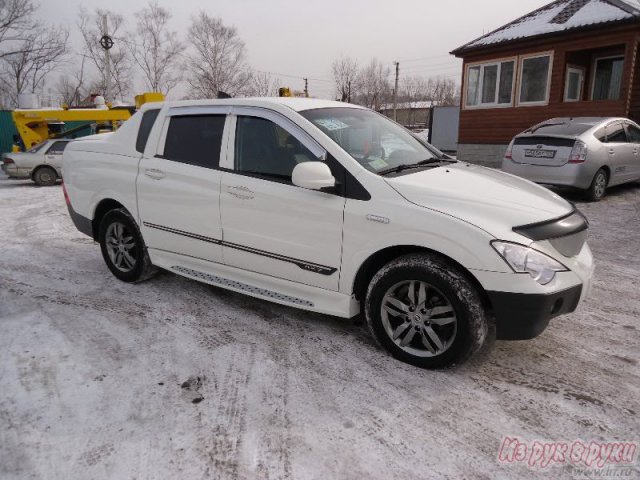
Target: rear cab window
195,140
146,124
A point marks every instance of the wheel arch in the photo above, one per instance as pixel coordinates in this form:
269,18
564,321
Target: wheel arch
40,167
380,258
105,205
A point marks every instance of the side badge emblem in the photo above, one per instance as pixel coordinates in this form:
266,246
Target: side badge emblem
377,218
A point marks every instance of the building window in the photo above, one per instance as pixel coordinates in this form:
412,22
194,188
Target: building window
574,84
535,73
607,78
490,84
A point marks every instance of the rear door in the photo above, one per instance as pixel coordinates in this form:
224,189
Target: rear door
179,184
539,150
633,136
619,151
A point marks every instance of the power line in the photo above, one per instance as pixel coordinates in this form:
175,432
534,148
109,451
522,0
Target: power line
424,58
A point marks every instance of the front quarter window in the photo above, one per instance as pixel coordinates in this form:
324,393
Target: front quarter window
371,139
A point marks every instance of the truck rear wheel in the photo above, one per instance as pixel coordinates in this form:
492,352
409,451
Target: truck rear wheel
45,176
425,312
123,248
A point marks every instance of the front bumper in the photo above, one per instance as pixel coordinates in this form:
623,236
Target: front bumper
523,308
522,316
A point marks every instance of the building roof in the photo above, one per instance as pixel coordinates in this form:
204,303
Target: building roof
556,17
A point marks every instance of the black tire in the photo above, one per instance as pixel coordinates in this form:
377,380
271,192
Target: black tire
598,187
45,176
136,265
448,286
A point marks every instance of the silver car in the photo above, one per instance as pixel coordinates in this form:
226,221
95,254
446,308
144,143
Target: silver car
42,163
587,153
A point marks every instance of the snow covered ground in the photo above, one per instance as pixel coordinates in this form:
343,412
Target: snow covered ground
98,378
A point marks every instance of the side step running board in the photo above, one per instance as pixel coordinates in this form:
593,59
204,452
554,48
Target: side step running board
225,282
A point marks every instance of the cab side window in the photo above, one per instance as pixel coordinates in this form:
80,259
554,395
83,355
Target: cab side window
633,133
57,148
616,133
195,140
265,149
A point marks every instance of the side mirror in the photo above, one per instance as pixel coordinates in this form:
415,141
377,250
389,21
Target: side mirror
313,175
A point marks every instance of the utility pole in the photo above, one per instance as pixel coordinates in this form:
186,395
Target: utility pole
395,93
106,43
306,87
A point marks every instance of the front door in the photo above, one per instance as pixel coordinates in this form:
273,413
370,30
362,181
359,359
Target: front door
179,187
271,226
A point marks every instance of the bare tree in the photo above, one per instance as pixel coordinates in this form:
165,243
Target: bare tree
443,90
16,21
218,61
413,89
40,52
90,26
346,78
156,48
262,84
71,88
374,85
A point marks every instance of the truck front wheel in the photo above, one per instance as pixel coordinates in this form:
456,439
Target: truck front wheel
425,312
123,248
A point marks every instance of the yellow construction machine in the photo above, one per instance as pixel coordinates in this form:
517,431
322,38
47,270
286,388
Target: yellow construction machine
37,125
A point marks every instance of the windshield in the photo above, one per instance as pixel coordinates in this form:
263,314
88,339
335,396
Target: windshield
373,140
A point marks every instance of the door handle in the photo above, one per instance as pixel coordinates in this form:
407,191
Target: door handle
612,151
154,173
240,191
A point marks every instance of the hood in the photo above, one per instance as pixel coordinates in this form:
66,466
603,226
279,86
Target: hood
490,199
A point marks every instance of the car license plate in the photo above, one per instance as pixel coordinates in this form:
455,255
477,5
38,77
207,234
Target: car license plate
539,153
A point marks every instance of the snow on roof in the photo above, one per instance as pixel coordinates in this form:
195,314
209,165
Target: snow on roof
560,16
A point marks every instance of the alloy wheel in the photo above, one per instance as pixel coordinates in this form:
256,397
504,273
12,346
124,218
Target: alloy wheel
121,247
418,318
600,184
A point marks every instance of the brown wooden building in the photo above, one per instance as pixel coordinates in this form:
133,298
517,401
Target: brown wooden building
569,58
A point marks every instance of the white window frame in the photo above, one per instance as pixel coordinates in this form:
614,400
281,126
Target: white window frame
594,71
582,72
521,60
497,62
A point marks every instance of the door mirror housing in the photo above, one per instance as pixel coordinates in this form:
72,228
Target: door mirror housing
313,176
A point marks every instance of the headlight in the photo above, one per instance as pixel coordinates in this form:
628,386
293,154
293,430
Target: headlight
522,259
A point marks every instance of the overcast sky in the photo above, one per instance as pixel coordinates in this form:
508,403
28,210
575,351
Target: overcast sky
302,38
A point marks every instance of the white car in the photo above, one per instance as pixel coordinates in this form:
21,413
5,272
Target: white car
41,163
306,203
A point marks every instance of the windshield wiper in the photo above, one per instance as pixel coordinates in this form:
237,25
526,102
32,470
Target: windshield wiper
407,166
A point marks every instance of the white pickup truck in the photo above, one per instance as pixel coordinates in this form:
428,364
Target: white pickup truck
332,208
